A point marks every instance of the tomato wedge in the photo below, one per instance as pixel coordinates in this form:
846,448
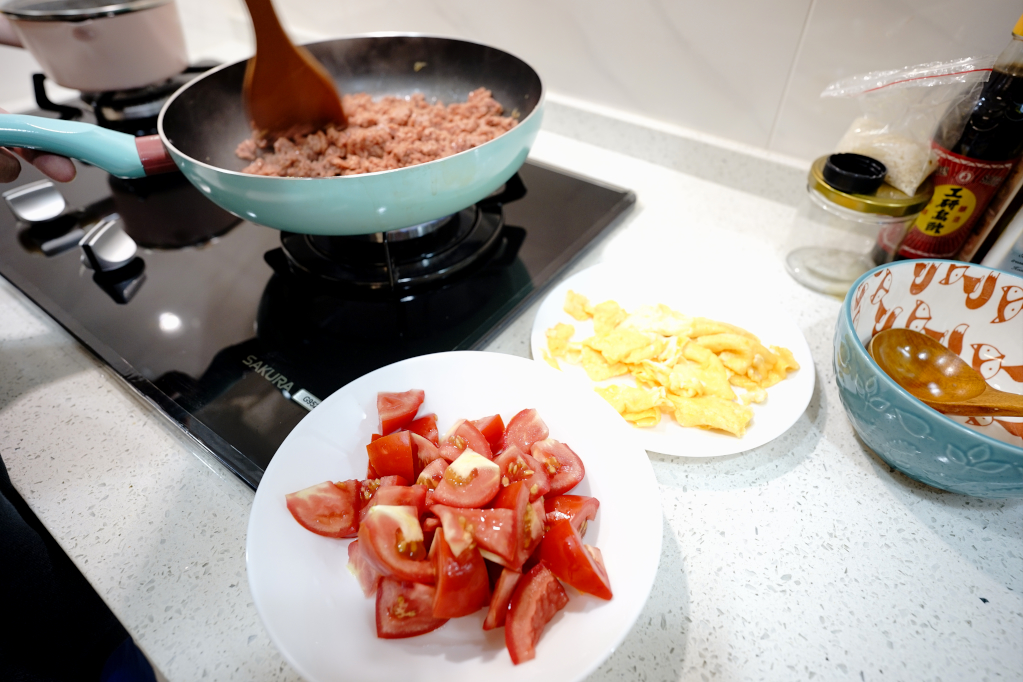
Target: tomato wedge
524,429
327,509
368,577
401,496
393,544
493,530
492,428
465,436
423,453
578,509
450,452
537,598
564,553
561,463
529,524
430,476
392,455
518,466
405,609
398,410
462,583
368,490
501,598
426,427
472,480
430,526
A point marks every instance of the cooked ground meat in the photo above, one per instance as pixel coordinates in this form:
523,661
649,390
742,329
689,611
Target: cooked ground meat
383,134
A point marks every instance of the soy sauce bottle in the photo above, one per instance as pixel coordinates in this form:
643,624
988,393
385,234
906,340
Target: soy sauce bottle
971,166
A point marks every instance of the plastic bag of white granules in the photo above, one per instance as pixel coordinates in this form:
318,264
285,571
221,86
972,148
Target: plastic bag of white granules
905,110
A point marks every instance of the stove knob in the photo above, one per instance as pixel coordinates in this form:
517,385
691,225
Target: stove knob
106,247
35,202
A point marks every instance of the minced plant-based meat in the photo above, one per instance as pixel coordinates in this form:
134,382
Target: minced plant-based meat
383,134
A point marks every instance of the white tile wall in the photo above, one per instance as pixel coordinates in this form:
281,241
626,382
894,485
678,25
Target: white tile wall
749,71
843,38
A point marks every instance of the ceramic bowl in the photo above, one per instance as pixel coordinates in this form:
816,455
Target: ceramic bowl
976,312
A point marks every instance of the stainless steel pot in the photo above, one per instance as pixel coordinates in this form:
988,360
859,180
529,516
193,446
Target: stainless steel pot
100,45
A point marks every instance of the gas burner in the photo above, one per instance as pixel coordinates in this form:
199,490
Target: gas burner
383,262
405,233
404,260
132,111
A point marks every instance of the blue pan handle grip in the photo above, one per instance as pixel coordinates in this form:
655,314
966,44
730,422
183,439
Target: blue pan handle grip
114,152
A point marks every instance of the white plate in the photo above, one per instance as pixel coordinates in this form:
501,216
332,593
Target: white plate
313,608
786,400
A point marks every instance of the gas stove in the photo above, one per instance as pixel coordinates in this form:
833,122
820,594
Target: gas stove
235,331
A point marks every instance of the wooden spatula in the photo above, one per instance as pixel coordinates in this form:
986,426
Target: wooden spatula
286,90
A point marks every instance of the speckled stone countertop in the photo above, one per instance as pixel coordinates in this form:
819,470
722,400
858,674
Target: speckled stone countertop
805,558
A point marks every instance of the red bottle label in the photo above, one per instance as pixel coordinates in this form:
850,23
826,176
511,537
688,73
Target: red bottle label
962,189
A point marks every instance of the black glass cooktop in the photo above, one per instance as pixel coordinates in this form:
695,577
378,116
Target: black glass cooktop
237,335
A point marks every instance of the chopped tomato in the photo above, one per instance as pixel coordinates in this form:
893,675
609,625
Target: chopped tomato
561,463
392,455
392,541
501,599
578,509
327,509
405,609
529,524
564,553
432,473
449,452
537,598
524,429
398,410
464,435
493,530
424,452
401,495
368,490
368,577
462,584
472,480
426,427
430,526
518,466
492,429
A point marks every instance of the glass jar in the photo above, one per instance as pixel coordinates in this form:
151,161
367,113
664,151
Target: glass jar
830,241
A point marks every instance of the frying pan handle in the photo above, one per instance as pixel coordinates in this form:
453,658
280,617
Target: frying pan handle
114,152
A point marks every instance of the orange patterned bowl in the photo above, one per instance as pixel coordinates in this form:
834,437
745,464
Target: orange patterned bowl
976,312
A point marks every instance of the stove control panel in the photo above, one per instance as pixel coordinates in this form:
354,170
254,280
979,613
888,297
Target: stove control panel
106,247
36,202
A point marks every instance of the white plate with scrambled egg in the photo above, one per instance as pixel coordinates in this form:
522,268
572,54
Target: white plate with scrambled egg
697,374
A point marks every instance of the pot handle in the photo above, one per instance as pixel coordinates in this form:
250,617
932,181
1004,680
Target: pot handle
116,153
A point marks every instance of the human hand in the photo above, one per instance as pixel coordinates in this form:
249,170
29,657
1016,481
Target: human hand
55,167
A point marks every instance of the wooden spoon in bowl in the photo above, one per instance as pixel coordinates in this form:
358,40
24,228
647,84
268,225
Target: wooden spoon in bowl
286,90
938,377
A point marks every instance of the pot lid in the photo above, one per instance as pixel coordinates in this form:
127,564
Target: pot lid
73,10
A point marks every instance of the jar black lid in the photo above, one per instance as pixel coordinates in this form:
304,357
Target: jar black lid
854,173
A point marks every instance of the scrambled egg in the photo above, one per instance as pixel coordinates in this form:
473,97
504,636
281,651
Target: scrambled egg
688,367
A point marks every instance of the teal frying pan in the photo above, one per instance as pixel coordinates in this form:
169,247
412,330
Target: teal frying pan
202,123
